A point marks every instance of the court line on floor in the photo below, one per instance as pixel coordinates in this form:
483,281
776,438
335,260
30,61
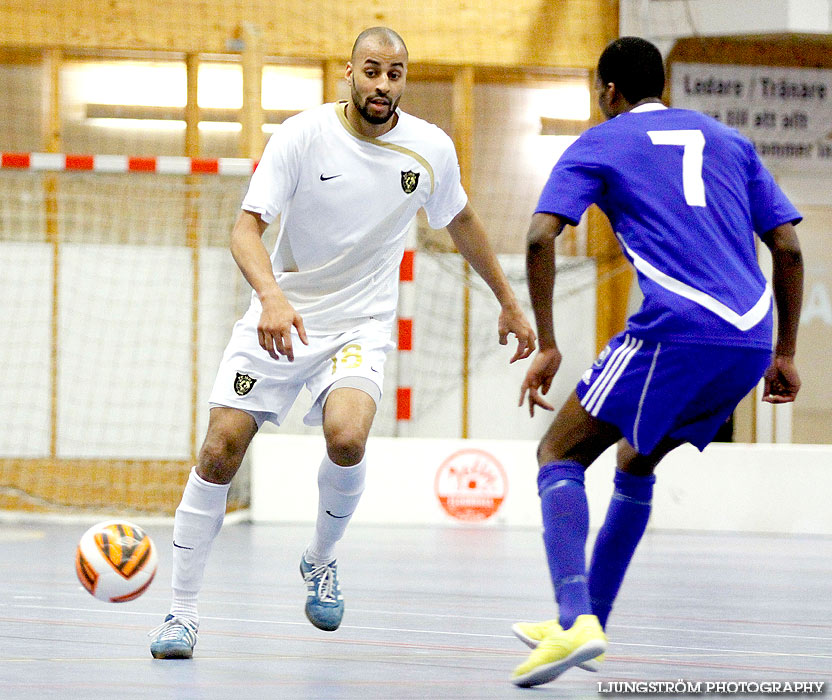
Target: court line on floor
467,653
711,650
207,601
722,632
680,618
469,618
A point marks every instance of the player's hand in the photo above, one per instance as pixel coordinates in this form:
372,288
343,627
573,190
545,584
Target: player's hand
539,379
781,380
274,331
513,320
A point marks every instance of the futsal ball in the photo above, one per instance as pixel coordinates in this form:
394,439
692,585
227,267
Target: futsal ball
115,561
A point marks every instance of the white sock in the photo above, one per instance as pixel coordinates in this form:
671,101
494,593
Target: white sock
197,522
183,605
339,490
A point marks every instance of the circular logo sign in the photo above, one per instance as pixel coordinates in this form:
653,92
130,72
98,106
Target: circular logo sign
471,485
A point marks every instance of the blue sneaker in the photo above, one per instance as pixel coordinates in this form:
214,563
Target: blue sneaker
175,638
324,602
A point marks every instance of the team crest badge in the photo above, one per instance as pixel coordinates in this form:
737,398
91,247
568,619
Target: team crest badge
410,181
243,384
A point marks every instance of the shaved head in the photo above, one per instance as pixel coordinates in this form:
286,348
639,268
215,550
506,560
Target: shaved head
383,35
376,73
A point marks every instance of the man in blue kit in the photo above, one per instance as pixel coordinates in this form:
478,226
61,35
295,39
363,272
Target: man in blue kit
685,196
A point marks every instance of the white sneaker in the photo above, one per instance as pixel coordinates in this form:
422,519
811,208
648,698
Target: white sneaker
175,638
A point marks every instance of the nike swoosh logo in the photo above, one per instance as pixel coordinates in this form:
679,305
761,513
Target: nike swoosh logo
339,516
331,177
179,546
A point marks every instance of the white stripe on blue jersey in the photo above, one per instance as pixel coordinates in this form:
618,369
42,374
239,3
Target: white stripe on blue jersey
743,322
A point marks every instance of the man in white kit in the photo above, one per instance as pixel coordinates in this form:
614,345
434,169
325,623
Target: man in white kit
346,179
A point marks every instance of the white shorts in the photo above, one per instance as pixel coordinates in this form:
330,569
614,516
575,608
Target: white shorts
252,381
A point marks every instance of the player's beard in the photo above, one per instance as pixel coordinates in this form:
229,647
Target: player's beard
365,112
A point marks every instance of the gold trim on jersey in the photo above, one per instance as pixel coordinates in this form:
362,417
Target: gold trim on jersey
342,117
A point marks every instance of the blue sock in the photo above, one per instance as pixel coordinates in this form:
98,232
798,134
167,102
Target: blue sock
617,539
565,527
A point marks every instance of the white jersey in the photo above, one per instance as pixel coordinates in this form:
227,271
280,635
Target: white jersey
346,202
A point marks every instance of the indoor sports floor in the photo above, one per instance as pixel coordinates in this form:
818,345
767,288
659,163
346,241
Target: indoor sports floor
428,615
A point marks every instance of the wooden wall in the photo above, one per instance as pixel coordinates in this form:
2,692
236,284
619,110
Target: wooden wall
562,33
793,50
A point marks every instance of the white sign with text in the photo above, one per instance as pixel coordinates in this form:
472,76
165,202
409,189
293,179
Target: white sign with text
786,112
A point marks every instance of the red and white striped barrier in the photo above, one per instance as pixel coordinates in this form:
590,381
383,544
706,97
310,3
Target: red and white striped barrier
404,334
162,165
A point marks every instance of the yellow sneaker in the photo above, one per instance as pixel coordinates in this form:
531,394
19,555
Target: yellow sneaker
560,650
531,634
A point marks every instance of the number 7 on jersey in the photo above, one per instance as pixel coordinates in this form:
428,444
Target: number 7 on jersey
693,141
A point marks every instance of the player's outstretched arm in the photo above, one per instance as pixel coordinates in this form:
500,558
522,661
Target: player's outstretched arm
468,234
540,273
274,329
781,379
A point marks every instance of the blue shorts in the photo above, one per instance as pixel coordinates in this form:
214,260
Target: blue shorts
652,390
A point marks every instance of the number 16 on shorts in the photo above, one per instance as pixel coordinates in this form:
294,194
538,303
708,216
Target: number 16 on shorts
348,357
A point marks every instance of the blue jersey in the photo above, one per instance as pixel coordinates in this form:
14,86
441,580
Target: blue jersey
685,195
